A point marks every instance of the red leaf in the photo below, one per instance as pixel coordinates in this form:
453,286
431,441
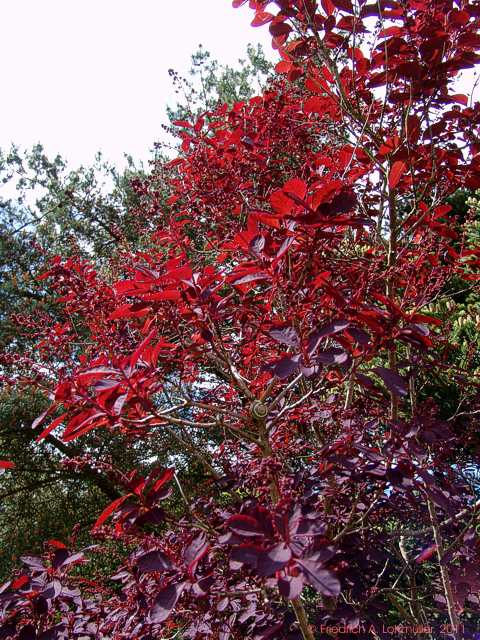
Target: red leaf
38,421
266,218
469,40
20,582
344,5
50,427
314,104
460,98
426,554
297,187
95,372
391,31
141,347
396,172
57,544
129,311
261,18
279,29
413,128
182,123
328,7
109,510
244,525
283,66
166,476
169,294
252,277
281,203
6,464
77,427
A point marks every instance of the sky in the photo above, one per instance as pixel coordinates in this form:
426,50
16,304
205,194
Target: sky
81,76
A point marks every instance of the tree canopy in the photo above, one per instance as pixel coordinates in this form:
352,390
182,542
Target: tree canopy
287,330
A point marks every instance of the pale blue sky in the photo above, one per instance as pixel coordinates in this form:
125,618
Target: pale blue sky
84,75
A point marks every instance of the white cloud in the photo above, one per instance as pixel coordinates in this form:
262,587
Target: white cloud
88,75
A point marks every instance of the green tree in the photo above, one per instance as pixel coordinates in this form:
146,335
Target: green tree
210,83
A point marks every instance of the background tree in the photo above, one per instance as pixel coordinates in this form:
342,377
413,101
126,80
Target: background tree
210,83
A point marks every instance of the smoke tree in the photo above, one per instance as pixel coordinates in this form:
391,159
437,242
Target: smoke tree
279,327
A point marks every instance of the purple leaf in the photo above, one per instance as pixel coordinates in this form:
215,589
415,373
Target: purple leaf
52,590
195,547
154,561
59,558
32,561
285,335
327,330
152,516
359,335
256,246
334,355
273,560
322,555
252,277
323,580
441,499
51,634
75,557
27,633
165,602
203,586
227,628
310,527
7,631
269,633
222,604
394,383
40,605
367,382
248,612
247,554
422,328
285,367
229,538
290,587
308,372
195,552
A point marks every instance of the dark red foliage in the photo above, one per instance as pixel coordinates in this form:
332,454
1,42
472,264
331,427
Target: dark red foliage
282,314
